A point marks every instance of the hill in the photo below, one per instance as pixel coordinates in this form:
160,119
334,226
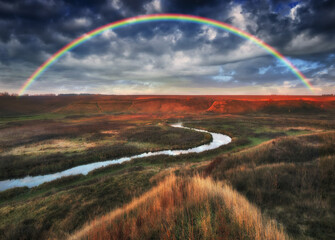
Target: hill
184,208
291,178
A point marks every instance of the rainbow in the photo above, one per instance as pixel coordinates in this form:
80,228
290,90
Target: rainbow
162,17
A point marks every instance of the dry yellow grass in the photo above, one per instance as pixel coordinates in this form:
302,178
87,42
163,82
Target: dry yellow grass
50,146
185,208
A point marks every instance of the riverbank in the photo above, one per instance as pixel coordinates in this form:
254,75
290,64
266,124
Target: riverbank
217,141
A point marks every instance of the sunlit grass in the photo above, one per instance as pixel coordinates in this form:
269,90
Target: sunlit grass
185,208
290,178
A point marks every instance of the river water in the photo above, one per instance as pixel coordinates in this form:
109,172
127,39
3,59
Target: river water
32,181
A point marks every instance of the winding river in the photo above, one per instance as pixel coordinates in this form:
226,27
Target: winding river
32,181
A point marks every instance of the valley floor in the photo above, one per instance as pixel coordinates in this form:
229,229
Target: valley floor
279,170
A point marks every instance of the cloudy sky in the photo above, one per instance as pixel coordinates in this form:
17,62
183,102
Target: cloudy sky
168,57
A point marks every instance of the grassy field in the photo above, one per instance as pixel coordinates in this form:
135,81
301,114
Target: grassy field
35,147
279,165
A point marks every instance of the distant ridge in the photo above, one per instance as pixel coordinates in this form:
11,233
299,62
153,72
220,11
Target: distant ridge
106,104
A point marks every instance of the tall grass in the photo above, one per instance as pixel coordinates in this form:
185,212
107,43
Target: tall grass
291,179
185,208
287,149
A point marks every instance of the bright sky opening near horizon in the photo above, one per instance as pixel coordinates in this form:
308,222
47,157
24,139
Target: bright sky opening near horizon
172,57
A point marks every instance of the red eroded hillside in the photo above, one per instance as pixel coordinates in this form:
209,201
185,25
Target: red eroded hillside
97,104
235,106
171,104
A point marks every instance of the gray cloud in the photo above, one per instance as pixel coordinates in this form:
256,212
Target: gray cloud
169,55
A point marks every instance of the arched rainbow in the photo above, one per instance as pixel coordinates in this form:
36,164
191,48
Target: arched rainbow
162,17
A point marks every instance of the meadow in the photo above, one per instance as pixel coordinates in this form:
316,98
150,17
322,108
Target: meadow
279,169
41,147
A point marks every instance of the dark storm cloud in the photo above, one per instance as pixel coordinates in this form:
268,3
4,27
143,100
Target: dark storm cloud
193,7
282,22
32,30
317,17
